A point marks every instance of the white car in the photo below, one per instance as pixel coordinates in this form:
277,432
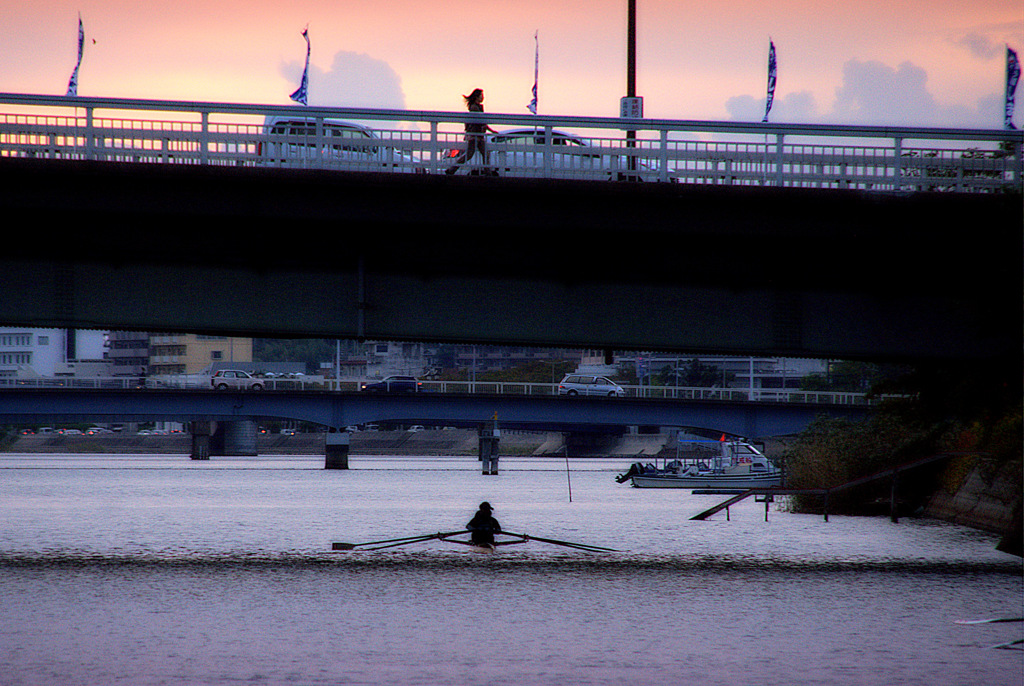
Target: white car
587,384
293,142
524,152
226,379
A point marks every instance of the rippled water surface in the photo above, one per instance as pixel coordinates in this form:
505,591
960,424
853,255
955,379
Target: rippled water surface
160,570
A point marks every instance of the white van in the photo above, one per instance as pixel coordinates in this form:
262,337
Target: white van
586,384
293,142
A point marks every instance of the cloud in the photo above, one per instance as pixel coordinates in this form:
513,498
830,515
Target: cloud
874,93
792,108
980,46
354,80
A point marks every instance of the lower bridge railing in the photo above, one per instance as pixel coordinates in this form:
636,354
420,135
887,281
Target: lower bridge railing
319,383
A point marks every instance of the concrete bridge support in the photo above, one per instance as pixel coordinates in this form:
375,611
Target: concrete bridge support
201,432
336,450
237,438
490,436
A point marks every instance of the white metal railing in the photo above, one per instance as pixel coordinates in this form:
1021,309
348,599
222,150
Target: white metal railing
318,383
406,141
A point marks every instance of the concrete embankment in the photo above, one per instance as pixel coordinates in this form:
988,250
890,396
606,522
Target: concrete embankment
982,494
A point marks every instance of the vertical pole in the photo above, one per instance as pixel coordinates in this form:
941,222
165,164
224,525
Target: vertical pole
567,477
435,152
204,138
631,50
780,140
893,492
90,142
826,505
897,168
631,73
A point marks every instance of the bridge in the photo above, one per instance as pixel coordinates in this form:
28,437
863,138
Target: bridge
717,237
336,410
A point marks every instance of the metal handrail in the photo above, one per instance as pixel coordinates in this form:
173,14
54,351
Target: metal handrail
316,383
666,150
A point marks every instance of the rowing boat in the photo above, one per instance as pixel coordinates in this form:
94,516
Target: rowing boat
511,538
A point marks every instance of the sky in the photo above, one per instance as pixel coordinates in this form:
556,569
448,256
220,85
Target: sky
896,62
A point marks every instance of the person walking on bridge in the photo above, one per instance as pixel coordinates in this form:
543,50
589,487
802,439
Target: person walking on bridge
483,526
475,139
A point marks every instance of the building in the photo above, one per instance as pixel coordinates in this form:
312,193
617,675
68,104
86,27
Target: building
755,373
129,353
171,354
29,353
390,358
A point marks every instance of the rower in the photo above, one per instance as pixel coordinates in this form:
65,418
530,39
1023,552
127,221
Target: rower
483,526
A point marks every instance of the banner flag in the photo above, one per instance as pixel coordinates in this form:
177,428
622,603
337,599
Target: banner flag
73,82
536,63
302,93
771,80
1012,77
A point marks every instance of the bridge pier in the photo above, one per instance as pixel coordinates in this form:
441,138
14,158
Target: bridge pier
336,450
201,432
489,437
237,438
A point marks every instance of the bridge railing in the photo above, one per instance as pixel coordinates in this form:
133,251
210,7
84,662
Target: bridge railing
318,383
596,148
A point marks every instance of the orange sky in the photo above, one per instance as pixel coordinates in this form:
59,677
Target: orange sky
913,62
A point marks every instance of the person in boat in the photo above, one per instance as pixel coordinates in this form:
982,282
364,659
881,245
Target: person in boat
483,525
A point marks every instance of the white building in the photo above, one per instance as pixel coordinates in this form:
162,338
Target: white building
30,353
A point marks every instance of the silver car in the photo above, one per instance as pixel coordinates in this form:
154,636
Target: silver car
226,379
586,384
524,152
293,142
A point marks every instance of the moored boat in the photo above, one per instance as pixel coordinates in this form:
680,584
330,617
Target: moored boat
734,466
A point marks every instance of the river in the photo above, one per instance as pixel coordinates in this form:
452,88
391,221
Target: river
155,569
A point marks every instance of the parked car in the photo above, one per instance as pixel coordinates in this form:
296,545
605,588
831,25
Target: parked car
226,379
585,384
293,142
393,384
521,152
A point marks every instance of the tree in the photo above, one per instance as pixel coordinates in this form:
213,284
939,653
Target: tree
311,351
694,373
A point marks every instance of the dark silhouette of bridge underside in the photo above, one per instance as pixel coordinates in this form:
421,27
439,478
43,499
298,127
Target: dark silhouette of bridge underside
618,266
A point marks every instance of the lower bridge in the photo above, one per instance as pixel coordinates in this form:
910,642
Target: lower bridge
233,410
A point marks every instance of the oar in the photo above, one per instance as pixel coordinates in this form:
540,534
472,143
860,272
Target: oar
581,546
989,621
1009,644
408,539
